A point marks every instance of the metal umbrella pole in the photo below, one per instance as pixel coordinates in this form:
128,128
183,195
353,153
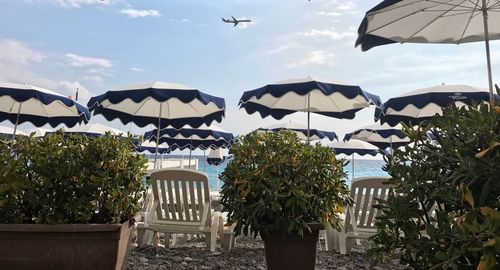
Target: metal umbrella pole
204,160
488,57
308,117
158,136
190,150
17,122
352,167
217,178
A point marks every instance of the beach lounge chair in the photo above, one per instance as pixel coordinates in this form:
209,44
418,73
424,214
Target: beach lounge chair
226,233
181,204
359,219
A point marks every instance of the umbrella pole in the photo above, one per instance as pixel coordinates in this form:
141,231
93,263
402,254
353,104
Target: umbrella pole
308,116
352,168
158,136
390,140
17,122
488,57
190,149
204,161
217,178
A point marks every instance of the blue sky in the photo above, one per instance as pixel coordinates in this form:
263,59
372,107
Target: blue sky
101,45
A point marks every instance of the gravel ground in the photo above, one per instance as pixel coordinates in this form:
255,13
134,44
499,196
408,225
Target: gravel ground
247,254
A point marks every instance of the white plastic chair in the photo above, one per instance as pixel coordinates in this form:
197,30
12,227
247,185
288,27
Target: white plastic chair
359,219
181,204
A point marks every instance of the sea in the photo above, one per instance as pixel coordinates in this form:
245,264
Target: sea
362,167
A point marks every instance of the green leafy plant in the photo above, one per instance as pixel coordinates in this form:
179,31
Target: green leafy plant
276,180
445,212
62,179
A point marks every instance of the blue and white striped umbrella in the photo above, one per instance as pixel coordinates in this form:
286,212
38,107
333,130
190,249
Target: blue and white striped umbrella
382,136
301,131
192,138
159,103
354,146
422,104
151,148
21,103
307,95
215,157
201,133
93,130
436,21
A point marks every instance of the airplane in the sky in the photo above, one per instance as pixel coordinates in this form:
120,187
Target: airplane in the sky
234,20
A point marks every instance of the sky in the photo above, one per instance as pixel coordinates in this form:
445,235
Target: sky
97,46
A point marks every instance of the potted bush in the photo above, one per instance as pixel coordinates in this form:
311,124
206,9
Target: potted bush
445,213
285,190
66,202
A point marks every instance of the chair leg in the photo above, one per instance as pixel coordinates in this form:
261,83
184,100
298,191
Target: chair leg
342,243
332,239
145,237
212,237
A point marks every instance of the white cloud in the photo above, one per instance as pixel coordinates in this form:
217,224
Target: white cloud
347,6
314,58
331,33
79,3
136,13
330,14
94,78
337,7
19,63
82,61
18,52
184,20
283,48
136,69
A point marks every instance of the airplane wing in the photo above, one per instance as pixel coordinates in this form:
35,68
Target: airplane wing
234,19
236,22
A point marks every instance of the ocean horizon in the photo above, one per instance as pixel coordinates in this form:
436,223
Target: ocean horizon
362,168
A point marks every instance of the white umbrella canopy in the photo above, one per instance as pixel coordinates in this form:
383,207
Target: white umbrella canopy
145,103
333,99
354,146
382,136
159,103
301,131
94,130
215,156
422,104
436,21
330,99
21,103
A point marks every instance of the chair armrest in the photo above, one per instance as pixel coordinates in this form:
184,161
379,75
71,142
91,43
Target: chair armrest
204,216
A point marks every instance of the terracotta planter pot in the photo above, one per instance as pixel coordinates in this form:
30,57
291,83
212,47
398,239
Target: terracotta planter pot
291,252
65,246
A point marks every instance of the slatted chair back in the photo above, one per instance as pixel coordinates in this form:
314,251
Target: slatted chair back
181,195
364,191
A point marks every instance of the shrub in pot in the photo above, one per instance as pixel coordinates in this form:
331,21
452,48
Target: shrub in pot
61,188
445,212
285,190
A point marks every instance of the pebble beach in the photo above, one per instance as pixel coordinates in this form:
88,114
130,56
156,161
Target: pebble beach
191,254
